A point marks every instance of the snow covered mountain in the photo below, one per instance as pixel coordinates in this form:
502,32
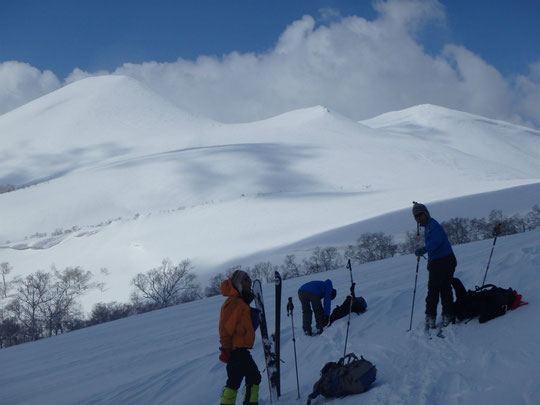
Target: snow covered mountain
121,179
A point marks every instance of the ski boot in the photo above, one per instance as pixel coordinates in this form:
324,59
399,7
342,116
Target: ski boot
448,319
251,395
430,322
228,397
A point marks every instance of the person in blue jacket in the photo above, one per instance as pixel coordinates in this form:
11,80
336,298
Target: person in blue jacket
441,266
310,295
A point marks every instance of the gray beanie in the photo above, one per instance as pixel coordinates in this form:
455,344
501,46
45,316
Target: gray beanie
236,279
419,208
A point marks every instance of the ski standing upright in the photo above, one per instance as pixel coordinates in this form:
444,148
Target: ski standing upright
269,354
277,280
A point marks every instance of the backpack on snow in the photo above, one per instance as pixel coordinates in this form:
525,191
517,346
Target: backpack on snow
359,305
486,302
350,375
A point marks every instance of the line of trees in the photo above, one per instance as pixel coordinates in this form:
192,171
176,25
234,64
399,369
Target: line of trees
47,303
42,303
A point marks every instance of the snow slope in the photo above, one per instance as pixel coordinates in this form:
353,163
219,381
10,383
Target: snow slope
122,179
171,356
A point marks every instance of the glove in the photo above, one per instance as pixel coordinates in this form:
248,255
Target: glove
225,355
421,251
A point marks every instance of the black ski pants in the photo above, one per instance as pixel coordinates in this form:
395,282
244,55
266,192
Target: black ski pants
311,300
241,365
441,273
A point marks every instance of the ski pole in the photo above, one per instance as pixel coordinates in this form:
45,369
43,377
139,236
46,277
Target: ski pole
350,307
290,308
414,291
495,233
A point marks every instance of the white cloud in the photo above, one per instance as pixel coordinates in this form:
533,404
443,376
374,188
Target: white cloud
21,83
358,67
529,88
78,74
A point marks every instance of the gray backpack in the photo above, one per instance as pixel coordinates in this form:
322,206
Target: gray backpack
350,375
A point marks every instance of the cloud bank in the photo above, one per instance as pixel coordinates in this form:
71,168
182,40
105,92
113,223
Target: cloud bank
358,67
21,83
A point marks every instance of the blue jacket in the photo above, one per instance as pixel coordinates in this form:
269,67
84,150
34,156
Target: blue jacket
436,241
322,289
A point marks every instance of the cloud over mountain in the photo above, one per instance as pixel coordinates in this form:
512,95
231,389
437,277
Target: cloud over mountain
359,67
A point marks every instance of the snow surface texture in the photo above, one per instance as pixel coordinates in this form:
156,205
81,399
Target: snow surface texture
170,356
121,179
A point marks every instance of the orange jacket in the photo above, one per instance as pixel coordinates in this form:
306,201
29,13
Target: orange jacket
235,326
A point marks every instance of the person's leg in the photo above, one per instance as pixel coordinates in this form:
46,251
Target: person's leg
305,301
432,297
253,380
234,378
447,298
319,313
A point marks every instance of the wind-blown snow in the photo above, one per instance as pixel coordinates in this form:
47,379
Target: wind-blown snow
170,356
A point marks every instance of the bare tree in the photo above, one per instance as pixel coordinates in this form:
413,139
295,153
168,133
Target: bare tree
533,218
289,268
458,230
32,293
372,246
5,269
106,312
412,241
263,271
322,260
63,307
10,332
166,285
215,285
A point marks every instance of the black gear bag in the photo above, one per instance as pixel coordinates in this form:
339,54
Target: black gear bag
350,375
486,302
359,305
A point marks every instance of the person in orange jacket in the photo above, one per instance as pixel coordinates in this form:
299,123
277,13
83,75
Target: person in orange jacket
237,324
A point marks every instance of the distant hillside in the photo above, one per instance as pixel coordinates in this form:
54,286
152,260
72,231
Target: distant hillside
122,179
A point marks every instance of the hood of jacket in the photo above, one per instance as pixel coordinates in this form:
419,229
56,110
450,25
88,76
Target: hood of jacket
228,290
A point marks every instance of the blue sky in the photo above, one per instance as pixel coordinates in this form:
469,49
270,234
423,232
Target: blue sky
61,35
57,37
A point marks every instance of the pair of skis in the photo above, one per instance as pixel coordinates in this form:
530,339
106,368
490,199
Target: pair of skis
270,344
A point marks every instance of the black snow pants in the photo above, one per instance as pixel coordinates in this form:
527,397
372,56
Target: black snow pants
311,300
441,272
241,365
